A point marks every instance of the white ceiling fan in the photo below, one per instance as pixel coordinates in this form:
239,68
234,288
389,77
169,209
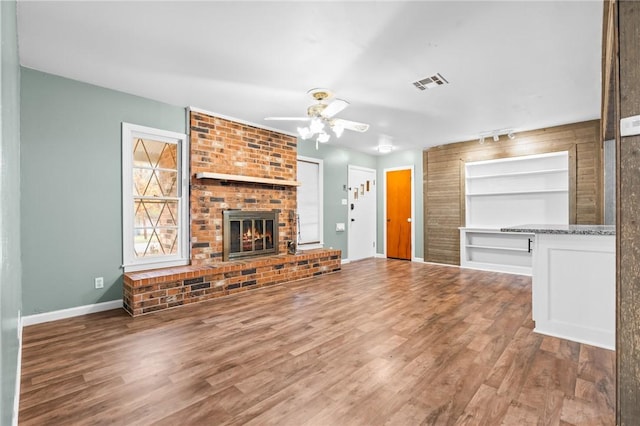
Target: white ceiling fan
321,115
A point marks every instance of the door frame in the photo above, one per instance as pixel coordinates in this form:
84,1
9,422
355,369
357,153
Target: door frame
413,209
320,164
375,219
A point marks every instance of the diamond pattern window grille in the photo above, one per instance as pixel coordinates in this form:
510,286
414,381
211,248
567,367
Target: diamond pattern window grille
156,198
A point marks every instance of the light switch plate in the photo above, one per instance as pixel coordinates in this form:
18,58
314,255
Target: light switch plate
630,126
344,201
339,227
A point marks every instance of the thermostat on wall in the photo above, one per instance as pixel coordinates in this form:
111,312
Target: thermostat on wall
630,126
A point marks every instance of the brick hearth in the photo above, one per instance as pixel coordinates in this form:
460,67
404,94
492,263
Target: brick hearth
159,289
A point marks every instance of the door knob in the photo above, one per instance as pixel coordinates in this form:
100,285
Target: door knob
408,219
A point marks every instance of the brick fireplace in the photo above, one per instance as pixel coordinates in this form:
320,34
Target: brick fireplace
234,149
235,167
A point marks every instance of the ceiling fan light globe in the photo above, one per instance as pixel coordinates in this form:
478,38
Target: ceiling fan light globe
338,130
316,125
305,133
323,137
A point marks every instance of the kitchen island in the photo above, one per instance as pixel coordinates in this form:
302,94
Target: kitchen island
573,281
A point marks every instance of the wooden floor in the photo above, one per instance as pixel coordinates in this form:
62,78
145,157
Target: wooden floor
381,342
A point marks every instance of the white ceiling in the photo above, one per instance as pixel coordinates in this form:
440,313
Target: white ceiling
521,65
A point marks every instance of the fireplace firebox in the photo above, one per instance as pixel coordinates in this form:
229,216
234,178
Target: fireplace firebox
249,233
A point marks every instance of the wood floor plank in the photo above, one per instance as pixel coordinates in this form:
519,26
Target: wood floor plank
381,342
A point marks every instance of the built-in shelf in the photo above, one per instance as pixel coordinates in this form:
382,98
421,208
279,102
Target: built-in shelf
492,250
533,172
525,189
250,179
540,191
498,248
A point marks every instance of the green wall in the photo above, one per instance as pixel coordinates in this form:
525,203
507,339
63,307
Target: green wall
10,271
71,187
336,162
403,159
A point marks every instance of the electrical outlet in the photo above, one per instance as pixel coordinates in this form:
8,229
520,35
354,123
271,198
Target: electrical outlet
99,282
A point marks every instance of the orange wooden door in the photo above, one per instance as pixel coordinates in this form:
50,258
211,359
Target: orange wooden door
399,214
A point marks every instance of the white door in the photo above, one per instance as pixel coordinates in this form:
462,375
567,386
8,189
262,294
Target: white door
362,213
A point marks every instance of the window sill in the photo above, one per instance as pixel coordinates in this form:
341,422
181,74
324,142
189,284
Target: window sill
154,265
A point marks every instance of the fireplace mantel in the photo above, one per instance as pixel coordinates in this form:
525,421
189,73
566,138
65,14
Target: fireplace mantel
251,179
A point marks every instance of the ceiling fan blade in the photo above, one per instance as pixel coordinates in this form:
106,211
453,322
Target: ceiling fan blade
334,107
351,125
287,118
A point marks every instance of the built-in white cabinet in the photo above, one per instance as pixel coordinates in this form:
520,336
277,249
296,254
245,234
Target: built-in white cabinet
531,189
574,288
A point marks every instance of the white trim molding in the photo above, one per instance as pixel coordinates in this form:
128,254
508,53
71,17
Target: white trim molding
319,244
16,396
71,312
130,260
355,245
413,208
237,120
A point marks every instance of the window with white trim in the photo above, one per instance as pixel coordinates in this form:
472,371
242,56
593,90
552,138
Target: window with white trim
155,198
310,175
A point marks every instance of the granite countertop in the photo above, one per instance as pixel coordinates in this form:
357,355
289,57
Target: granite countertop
563,229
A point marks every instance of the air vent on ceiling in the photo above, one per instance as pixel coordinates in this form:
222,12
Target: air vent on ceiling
430,82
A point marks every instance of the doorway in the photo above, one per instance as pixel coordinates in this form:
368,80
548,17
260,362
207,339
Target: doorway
399,213
362,213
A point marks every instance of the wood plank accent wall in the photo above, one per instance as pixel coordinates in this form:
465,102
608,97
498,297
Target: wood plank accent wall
443,180
626,15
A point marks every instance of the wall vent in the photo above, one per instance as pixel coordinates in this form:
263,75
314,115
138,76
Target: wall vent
430,82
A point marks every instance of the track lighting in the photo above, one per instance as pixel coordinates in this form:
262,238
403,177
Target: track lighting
495,135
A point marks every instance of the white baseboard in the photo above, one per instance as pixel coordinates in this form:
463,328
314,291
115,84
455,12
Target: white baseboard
574,339
417,259
381,255
16,396
71,312
344,261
